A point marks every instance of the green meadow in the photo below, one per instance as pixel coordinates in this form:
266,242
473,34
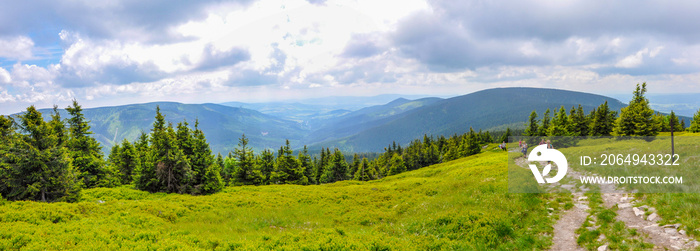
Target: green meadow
458,205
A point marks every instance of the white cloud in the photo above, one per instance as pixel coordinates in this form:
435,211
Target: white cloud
19,47
633,60
5,77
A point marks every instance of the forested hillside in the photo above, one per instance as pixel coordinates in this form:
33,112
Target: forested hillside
479,110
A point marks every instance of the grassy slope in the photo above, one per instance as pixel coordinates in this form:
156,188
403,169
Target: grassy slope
461,204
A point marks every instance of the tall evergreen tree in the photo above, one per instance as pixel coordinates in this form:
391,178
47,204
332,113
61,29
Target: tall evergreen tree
560,124
695,123
637,117
336,168
266,165
396,165
36,166
578,122
544,127
306,165
287,168
85,150
206,172
531,129
603,121
672,118
244,171
364,171
124,158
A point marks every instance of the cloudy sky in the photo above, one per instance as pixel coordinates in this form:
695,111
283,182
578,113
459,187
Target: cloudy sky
130,51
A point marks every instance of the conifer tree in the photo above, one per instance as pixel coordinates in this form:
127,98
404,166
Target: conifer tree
560,124
125,160
364,172
336,168
637,118
603,121
287,168
206,172
244,171
36,166
531,129
695,123
85,150
677,126
396,165
266,163
306,165
544,127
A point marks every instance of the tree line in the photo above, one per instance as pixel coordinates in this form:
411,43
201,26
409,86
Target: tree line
637,119
53,160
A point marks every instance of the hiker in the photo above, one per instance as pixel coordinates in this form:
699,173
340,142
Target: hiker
520,143
549,145
503,146
524,149
542,142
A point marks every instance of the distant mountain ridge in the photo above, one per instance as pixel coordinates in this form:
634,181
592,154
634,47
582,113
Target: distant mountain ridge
368,129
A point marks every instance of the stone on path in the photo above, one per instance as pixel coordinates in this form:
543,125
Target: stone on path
652,217
603,248
637,212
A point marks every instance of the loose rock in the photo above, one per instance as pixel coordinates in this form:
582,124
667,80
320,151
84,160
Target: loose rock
624,205
652,217
637,212
603,248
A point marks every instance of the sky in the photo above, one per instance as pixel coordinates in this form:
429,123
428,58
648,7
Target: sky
115,52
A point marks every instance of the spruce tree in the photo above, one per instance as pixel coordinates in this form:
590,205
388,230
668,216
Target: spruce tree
287,168
396,165
244,172
695,123
125,160
560,124
544,127
36,166
364,172
266,165
603,121
637,118
531,129
85,150
677,126
306,166
205,170
336,168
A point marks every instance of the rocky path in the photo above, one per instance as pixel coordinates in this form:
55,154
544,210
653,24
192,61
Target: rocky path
642,218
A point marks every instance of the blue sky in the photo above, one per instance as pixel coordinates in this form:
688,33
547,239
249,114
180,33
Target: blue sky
127,51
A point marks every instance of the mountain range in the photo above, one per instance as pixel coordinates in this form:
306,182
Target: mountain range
341,123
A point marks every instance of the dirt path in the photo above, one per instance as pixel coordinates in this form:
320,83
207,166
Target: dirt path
643,218
668,237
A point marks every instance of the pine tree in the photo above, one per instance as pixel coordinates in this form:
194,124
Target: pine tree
306,166
603,121
560,124
544,127
244,171
396,165
36,166
85,150
695,123
578,122
637,118
677,126
364,171
336,168
206,172
266,165
124,159
531,129
287,168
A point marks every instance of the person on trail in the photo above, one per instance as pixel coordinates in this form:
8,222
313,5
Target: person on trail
542,142
523,149
520,143
504,146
